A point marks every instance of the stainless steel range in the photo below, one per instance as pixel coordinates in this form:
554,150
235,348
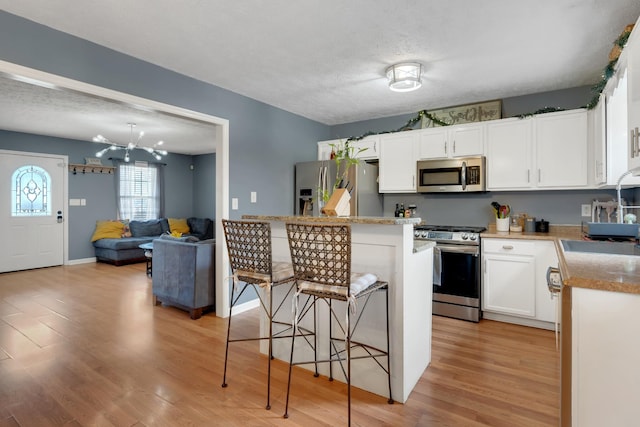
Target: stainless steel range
456,269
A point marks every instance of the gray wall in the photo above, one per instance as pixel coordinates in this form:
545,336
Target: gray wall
265,141
204,186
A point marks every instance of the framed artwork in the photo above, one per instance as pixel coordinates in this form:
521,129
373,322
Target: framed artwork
489,110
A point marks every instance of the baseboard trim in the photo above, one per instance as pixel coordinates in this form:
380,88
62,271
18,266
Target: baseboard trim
81,261
245,306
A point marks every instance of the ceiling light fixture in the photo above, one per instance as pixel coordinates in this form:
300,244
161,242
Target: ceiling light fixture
404,77
130,146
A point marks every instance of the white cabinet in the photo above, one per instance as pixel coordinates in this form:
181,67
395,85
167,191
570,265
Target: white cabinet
509,277
398,162
325,147
514,283
451,141
632,55
365,149
548,151
561,144
598,135
605,379
509,154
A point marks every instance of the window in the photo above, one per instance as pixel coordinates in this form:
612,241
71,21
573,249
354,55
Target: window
139,193
30,191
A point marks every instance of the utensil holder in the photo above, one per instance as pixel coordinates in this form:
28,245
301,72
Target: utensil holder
502,224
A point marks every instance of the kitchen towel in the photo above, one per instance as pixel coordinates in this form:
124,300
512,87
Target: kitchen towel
437,266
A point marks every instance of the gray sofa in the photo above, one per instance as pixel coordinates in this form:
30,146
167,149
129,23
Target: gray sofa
126,250
184,274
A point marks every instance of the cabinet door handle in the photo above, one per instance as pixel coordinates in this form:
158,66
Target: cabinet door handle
507,247
375,150
539,176
528,176
445,148
454,146
632,141
637,142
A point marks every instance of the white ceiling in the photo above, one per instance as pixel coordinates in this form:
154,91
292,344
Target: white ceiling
325,60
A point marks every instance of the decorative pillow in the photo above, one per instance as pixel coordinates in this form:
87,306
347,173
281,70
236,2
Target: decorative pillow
178,225
126,231
107,230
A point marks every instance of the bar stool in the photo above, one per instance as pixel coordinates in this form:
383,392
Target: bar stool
249,249
321,257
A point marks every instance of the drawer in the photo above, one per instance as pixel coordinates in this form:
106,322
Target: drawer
508,246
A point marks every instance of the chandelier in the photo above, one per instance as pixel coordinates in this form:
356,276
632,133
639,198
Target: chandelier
132,145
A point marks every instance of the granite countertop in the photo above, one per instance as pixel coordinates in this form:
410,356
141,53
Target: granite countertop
616,273
336,219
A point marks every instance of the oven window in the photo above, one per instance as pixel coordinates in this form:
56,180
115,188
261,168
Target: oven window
459,275
449,176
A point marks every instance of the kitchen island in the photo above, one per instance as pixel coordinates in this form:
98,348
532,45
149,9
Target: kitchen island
384,247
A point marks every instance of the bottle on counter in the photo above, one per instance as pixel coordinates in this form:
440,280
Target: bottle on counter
401,211
397,211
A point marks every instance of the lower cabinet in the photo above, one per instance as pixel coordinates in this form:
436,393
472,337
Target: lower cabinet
605,379
514,284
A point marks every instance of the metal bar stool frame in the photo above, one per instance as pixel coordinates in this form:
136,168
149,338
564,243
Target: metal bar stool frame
321,258
249,248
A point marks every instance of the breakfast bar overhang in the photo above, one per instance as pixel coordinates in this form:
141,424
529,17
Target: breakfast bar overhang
384,247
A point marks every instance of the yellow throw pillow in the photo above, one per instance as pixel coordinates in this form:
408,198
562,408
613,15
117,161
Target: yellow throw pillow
178,225
108,230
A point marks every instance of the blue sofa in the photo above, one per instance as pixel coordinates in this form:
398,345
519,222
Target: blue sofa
126,249
184,273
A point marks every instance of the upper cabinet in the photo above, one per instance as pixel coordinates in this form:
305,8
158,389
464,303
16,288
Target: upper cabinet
398,162
547,151
631,53
451,141
365,149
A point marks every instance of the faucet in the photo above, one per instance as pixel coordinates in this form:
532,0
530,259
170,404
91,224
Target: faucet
634,171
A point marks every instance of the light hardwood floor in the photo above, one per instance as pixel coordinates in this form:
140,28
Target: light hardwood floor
84,346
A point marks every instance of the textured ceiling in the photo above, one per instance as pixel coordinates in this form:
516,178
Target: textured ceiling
325,60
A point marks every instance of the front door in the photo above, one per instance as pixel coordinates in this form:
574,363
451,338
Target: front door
31,210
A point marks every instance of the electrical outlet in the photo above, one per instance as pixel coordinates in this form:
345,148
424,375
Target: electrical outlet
586,210
234,203
254,197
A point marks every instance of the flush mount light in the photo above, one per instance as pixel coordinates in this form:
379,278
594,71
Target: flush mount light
404,77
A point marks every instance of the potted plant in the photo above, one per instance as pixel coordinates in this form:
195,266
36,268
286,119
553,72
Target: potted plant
344,155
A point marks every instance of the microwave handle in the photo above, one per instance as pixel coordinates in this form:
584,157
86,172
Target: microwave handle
463,175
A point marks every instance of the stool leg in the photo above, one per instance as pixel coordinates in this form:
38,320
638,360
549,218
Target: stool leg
293,341
348,342
330,342
386,294
270,353
226,351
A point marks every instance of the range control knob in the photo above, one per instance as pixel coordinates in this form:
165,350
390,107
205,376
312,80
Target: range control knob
465,236
473,237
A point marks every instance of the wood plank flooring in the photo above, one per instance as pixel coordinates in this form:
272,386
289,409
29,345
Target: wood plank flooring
84,346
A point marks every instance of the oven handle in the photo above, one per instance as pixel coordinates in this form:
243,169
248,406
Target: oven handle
459,249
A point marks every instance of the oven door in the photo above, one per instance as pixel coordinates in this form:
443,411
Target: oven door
457,276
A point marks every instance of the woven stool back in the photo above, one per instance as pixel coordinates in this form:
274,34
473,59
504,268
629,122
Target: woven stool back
248,245
321,253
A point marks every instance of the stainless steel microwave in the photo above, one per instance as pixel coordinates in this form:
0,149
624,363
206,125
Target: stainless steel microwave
463,174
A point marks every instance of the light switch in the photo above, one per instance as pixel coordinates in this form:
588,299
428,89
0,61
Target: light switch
234,203
254,197
74,202
83,202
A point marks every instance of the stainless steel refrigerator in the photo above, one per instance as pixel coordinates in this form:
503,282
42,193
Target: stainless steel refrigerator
361,181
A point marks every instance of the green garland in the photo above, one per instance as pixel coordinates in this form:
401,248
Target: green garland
596,89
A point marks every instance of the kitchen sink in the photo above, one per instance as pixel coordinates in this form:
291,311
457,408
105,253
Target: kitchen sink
601,247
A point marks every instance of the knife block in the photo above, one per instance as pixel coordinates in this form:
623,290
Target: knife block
339,203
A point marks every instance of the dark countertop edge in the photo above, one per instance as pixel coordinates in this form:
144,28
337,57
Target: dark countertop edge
336,219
